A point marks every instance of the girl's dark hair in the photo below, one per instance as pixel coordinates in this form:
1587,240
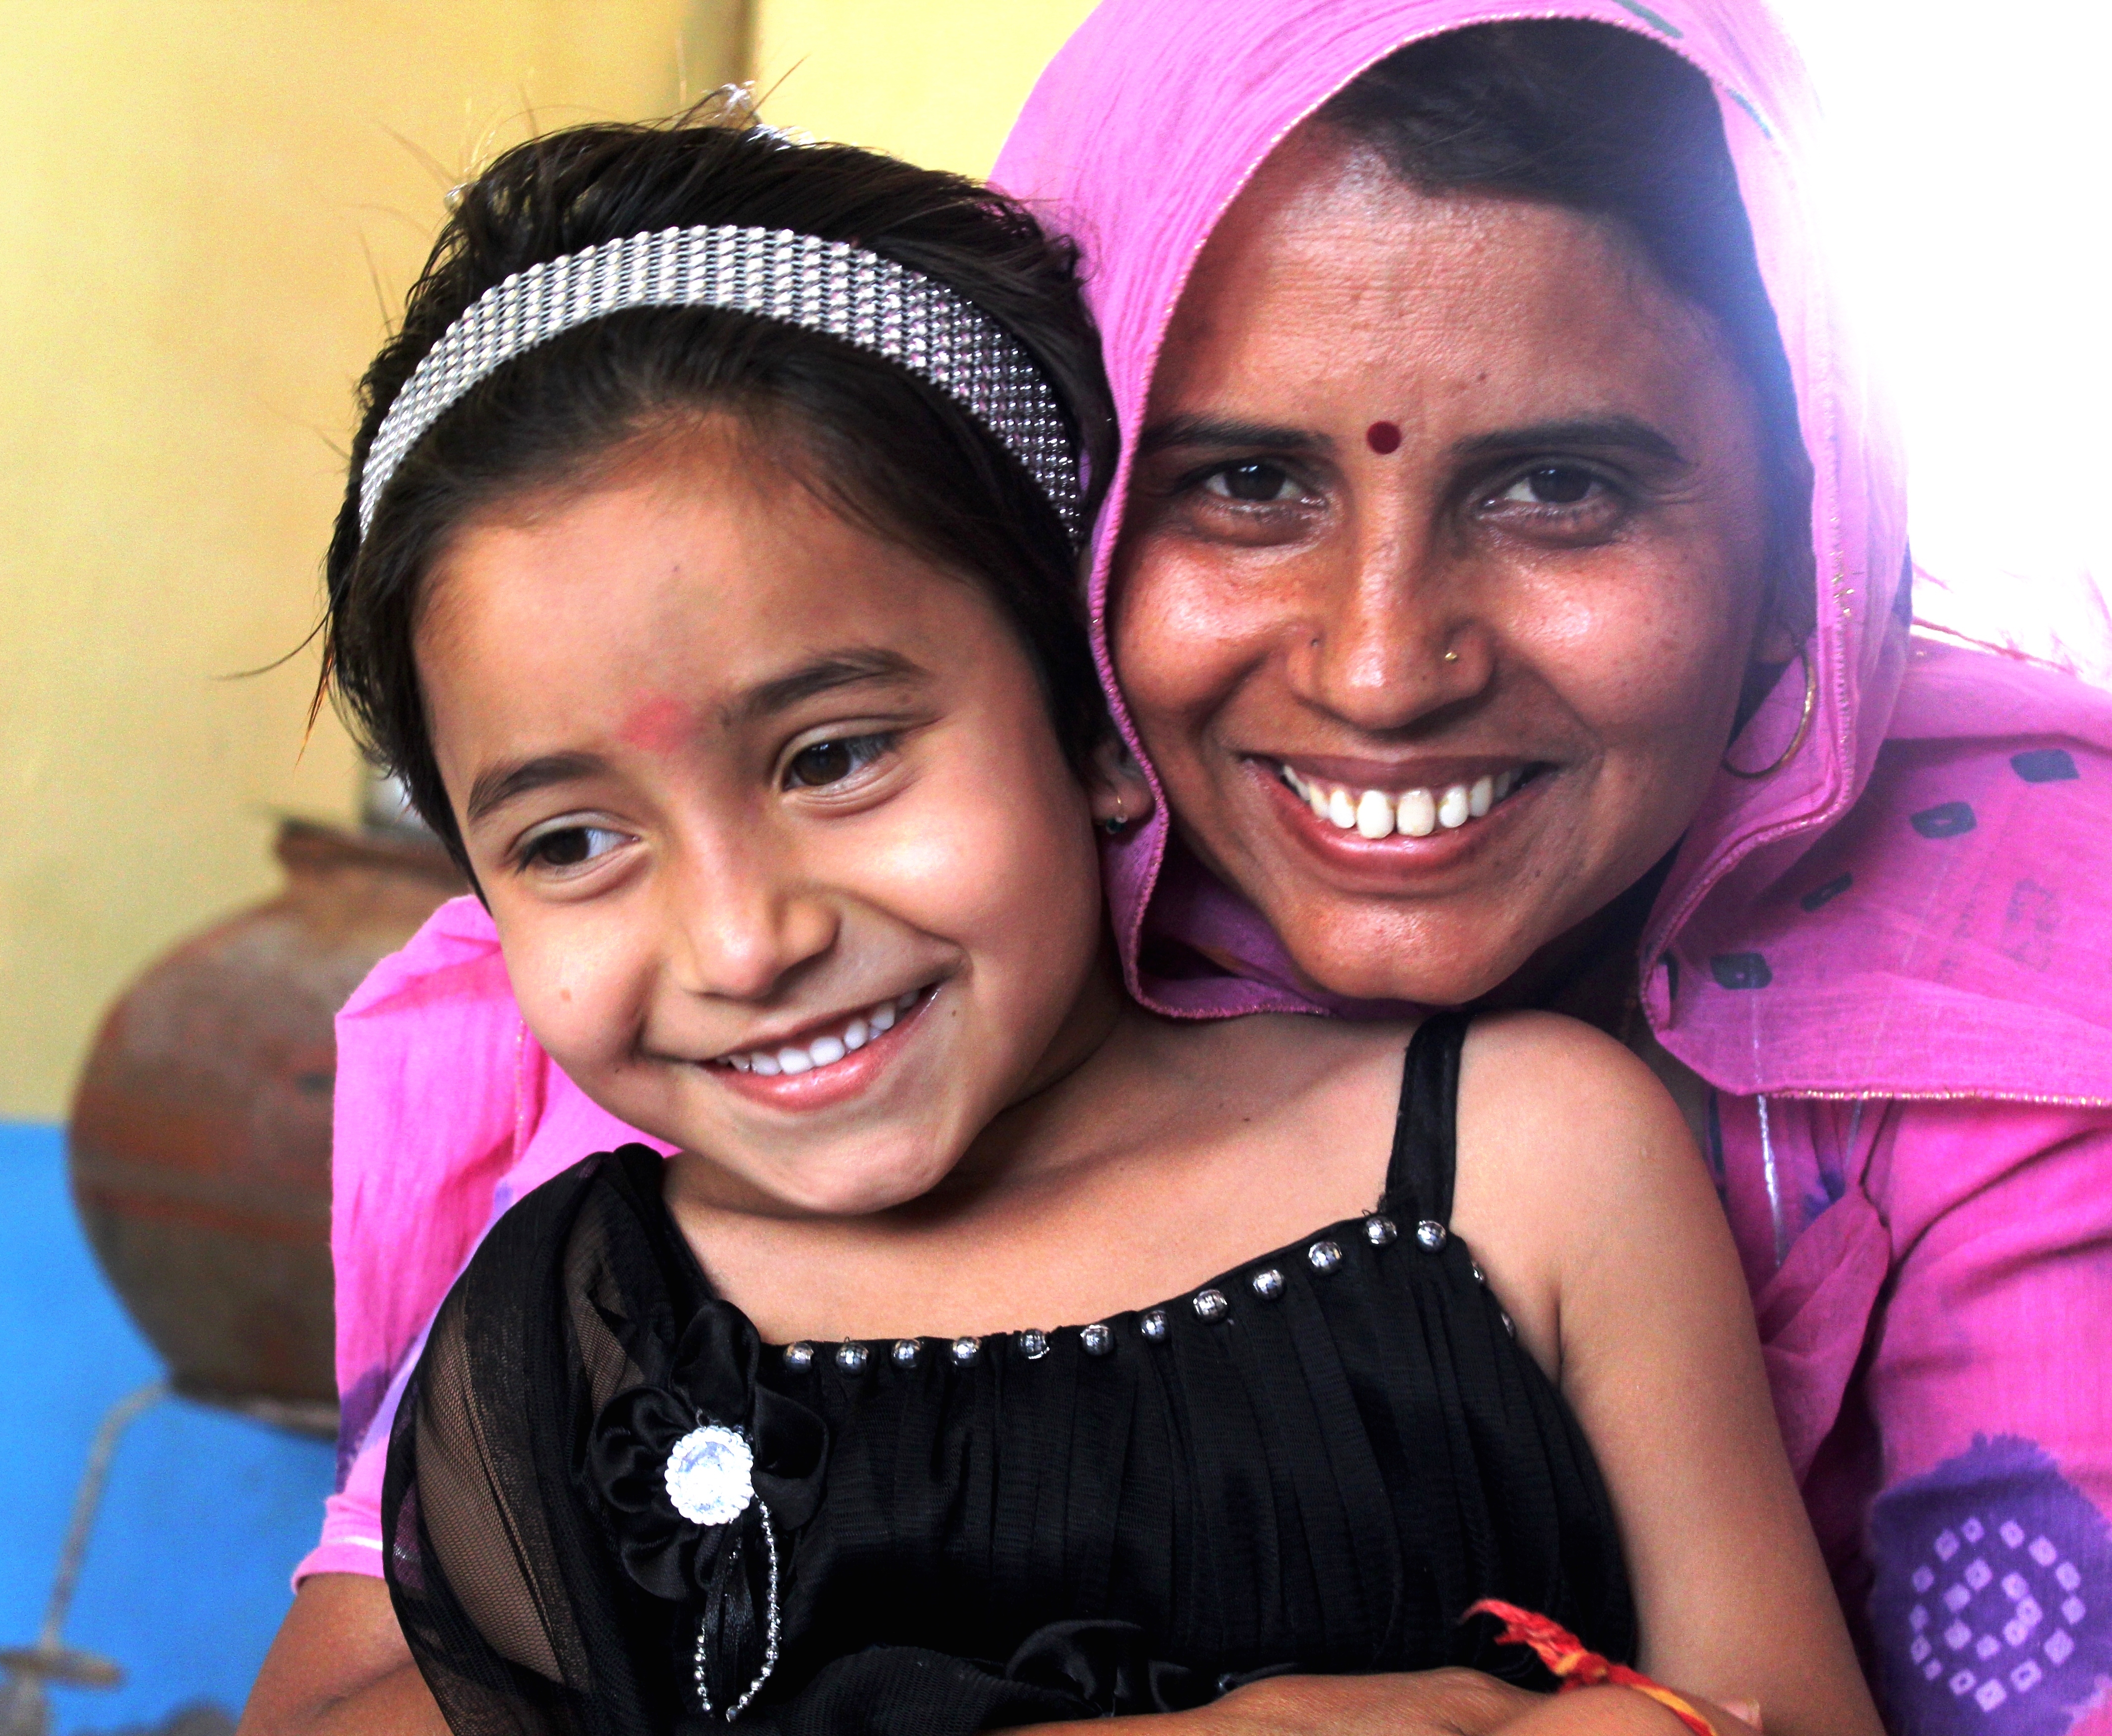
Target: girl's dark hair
1602,120
886,449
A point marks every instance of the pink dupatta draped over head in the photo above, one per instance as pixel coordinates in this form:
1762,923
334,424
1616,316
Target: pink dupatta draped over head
1798,946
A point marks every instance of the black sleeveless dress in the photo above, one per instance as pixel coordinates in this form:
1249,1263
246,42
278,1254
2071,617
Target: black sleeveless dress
612,1510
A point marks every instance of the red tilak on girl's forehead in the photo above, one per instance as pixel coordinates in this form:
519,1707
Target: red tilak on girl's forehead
657,725
1383,437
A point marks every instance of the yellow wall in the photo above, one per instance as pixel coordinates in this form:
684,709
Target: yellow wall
192,193
209,207
937,81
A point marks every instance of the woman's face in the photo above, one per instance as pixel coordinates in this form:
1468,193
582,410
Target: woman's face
1440,570
787,864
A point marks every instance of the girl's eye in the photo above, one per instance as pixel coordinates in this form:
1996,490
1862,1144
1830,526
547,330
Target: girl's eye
569,846
1552,484
1252,483
826,762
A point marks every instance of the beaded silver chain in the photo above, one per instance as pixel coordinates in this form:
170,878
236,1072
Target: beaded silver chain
770,1636
776,274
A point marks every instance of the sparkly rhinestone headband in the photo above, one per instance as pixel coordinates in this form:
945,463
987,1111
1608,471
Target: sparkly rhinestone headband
825,286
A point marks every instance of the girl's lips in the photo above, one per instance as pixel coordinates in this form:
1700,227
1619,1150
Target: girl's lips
1423,832
835,1070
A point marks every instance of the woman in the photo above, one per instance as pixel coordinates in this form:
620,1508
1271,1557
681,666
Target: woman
1913,1191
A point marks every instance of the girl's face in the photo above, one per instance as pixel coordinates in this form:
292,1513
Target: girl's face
788,866
1440,570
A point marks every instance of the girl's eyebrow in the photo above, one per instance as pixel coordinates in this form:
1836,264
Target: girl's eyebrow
500,784
822,674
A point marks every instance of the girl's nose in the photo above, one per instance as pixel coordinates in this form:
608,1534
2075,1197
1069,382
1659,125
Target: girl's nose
741,925
1388,634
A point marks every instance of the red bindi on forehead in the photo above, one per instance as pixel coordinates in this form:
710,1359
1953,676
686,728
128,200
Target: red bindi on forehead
1383,437
658,725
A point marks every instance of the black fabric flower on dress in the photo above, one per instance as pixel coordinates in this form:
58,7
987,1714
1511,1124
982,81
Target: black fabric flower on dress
743,1459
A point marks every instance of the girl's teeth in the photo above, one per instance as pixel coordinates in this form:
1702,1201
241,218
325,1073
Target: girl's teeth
1375,814
1341,810
1452,807
1418,814
1482,797
826,1051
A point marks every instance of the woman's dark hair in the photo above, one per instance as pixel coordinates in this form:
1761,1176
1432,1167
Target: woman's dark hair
886,449
1602,120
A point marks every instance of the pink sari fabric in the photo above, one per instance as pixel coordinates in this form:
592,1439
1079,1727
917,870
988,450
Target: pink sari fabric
1892,959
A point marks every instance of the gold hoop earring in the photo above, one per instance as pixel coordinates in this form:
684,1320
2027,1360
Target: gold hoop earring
1802,726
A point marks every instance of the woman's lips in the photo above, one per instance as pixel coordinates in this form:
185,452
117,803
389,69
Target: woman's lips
827,1065
1378,827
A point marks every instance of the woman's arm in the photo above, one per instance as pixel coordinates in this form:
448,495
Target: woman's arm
1585,1201
339,1667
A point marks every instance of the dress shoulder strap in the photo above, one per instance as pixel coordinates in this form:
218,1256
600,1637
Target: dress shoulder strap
1425,1143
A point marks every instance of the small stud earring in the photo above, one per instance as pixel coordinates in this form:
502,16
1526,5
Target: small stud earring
1120,819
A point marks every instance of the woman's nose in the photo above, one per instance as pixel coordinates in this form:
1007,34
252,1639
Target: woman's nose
741,923
1388,634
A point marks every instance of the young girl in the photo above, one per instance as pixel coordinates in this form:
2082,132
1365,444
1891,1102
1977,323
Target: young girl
707,573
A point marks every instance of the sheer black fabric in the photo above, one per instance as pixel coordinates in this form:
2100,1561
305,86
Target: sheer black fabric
1320,1476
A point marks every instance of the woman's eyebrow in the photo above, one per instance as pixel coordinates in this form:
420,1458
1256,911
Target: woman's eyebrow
1210,430
1599,433
822,674
500,784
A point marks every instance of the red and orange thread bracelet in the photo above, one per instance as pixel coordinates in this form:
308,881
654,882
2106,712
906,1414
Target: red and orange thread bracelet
1574,1664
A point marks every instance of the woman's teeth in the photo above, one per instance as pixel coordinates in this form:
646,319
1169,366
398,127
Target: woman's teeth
825,1050
1376,814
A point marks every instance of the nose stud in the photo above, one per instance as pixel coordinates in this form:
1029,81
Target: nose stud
1451,657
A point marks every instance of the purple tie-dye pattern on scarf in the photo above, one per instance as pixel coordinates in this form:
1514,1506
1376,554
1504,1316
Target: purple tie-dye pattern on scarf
1993,1607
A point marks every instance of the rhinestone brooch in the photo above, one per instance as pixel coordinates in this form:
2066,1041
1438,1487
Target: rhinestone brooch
1210,1304
711,1475
1379,1232
1430,1233
1268,1284
1097,1339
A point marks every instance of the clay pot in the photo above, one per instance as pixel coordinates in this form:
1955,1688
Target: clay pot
200,1139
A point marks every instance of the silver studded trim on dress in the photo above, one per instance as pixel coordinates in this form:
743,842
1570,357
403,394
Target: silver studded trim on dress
966,1350
1098,1339
1153,1325
1324,1257
799,1357
1033,1344
1210,1304
850,1358
1430,1233
1267,1283
1379,1232
905,1353
776,274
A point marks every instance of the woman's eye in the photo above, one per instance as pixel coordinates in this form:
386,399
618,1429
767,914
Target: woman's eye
826,762
1552,484
1250,484
569,846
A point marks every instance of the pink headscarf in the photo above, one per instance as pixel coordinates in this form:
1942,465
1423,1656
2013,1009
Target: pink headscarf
1801,944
